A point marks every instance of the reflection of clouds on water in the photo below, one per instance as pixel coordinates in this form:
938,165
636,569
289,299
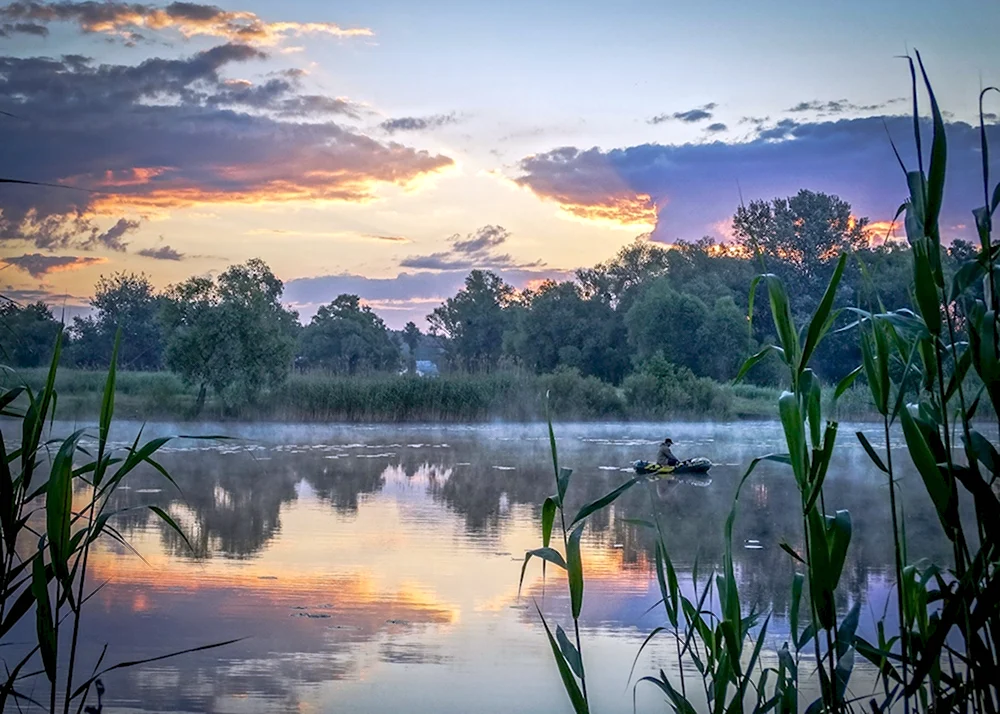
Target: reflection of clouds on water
402,547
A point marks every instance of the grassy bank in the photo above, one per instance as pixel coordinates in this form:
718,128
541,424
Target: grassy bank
511,396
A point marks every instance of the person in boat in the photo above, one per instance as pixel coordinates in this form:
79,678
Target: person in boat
665,457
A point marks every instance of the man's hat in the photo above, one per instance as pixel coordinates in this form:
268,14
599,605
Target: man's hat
668,440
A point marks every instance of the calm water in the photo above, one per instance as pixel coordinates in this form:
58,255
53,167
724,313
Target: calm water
375,569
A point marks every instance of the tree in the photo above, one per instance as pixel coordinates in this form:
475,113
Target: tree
411,338
27,334
474,321
347,337
723,340
232,334
125,301
559,328
805,230
666,321
616,280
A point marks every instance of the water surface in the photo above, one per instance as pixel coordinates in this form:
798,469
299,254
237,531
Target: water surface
375,569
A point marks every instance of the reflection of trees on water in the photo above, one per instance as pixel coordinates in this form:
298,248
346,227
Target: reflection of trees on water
232,502
226,503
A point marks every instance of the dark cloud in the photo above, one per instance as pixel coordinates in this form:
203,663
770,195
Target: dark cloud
112,238
840,106
168,133
781,130
473,251
38,265
125,20
391,126
690,116
989,116
23,28
716,127
689,190
483,240
164,252
279,96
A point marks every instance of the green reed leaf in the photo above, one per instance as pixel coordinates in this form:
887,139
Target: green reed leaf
791,422
821,320
872,454
605,500
755,359
44,625
569,652
923,459
547,554
548,518
574,570
580,705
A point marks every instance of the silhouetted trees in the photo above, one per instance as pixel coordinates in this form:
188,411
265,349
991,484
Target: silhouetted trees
650,317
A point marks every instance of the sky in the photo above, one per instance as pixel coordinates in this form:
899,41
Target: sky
386,148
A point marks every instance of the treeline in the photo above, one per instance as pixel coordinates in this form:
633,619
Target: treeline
661,324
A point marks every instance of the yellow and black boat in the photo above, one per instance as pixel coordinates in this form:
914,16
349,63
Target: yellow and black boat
697,465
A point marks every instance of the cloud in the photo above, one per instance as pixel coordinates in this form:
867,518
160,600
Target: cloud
38,265
686,190
127,21
170,133
391,239
473,251
112,238
164,252
23,28
690,116
716,127
391,126
840,106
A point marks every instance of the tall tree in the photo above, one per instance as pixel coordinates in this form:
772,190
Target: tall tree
231,334
125,301
347,337
559,327
474,321
411,338
805,230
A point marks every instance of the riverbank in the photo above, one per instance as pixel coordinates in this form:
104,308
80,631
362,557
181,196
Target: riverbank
450,398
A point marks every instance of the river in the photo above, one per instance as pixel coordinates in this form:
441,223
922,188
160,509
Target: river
375,569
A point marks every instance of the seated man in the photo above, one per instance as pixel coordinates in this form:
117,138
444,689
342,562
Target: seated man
666,457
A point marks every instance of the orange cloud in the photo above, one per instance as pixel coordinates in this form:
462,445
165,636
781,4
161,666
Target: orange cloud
883,230
127,20
638,211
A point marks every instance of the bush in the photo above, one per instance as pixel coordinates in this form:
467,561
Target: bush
661,388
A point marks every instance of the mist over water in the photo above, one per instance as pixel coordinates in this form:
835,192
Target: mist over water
375,569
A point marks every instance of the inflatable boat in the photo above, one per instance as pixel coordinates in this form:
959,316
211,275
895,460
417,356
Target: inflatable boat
697,465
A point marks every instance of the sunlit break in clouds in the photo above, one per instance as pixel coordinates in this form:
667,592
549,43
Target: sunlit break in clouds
359,145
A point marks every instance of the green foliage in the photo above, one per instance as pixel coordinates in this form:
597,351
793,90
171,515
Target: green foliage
231,334
557,327
473,322
346,337
660,388
125,302
26,333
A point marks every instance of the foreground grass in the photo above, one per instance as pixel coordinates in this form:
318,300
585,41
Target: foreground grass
510,396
